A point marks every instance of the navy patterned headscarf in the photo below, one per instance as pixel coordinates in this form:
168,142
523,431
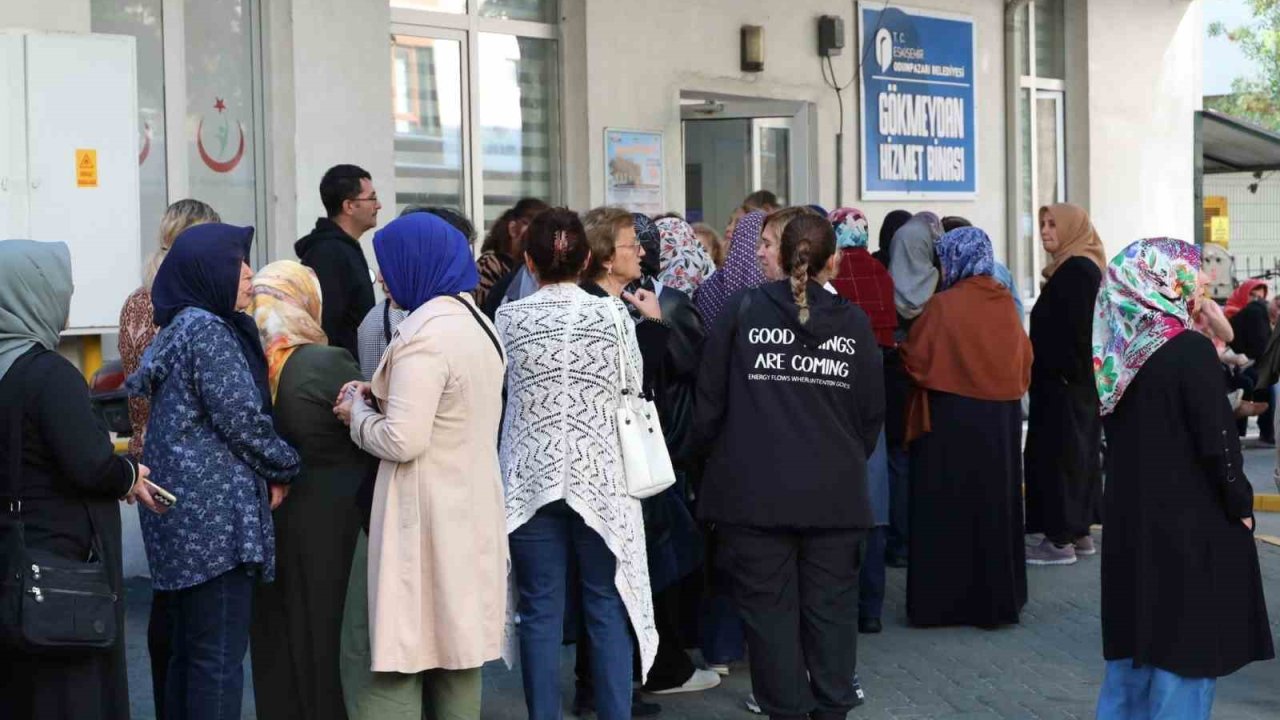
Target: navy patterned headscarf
651,240
202,270
964,253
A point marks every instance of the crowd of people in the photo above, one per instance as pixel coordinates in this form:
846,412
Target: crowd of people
374,499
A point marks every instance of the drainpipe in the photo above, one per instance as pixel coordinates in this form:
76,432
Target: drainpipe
1014,47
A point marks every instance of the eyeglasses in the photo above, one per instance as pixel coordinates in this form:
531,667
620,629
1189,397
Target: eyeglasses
371,198
630,246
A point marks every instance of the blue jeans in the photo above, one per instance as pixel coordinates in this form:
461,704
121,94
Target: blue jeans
1149,693
210,637
540,555
871,580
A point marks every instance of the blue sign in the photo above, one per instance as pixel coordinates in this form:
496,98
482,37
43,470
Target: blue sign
919,136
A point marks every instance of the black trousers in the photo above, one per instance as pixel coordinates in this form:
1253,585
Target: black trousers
797,592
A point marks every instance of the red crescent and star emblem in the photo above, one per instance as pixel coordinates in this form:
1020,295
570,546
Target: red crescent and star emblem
220,166
145,152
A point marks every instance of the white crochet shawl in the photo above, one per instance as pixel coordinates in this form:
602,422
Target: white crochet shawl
560,436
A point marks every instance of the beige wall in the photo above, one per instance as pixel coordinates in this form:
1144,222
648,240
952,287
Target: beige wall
329,90
634,78
1145,60
50,15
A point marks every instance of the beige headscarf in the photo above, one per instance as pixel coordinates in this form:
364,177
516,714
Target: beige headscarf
1076,237
286,307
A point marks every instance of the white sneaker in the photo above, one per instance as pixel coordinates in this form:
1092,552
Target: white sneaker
699,681
721,670
753,706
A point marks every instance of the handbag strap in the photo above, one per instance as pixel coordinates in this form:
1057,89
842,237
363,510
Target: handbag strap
622,348
386,320
502,357
15,401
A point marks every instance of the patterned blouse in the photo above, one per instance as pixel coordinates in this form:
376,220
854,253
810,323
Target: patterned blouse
492,268
214,448
137,330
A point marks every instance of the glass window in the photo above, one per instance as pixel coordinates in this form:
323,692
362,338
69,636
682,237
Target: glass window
530,10
142,19
1028,231
1021,30
222,108
775,162
457,7
426,96
519,120
1050,40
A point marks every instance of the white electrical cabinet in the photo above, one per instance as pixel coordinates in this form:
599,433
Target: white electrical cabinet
69,161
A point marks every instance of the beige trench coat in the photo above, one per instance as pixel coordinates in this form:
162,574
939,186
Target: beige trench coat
438,538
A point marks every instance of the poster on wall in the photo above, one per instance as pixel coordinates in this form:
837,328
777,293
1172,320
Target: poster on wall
919,136
633,171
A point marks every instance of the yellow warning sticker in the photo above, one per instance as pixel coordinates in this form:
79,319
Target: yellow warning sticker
86,168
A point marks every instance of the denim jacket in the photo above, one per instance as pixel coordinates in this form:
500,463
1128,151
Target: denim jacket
210,444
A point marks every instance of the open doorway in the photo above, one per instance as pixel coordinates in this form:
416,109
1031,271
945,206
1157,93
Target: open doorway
734,146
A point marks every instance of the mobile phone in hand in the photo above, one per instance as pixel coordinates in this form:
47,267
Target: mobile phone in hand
162,496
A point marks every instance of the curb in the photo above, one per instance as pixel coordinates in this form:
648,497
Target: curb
1266,502
1268,539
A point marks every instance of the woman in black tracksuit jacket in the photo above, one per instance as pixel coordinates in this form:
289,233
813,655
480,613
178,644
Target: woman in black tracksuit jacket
790,403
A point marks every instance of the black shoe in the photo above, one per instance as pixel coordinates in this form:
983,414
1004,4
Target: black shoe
584,705
870,626
640,708
860,697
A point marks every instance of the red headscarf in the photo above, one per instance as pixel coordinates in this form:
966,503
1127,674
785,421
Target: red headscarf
1240,298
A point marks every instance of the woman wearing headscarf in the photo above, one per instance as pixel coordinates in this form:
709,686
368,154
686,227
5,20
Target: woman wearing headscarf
437,547
970,364
211,442
914,270
1182,600
892,222
683,259
1062,459
297,618
741,269
1250,322
137,330
68,484
863,281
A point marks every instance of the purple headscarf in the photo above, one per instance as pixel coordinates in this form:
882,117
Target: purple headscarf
741,269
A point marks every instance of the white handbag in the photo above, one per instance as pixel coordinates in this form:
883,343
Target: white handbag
644,447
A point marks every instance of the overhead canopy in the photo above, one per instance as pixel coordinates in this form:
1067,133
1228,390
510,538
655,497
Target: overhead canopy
1229,145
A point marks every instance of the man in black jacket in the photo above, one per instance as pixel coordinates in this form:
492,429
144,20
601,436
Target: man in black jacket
333,251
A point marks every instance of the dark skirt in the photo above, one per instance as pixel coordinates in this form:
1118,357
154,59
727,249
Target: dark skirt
297,620
968,561
90,686
1063,459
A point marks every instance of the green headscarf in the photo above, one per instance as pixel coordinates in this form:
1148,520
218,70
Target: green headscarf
35,297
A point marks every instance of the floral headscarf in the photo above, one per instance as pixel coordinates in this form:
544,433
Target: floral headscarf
964,253
851,227
741,269
286,307
685,263
1144,302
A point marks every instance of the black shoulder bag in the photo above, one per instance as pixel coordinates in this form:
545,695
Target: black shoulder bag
49,604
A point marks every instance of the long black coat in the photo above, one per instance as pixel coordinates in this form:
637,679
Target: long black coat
1064,432
1181,587
69,473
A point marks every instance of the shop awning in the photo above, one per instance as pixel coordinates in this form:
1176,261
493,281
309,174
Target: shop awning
1230,145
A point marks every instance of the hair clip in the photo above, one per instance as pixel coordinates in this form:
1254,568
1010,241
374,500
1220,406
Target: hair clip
561,244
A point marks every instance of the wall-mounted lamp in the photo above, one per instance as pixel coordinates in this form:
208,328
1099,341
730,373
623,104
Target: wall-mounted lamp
752,48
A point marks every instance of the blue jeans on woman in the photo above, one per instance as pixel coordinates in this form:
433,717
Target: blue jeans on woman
210,624
540,551
1149,693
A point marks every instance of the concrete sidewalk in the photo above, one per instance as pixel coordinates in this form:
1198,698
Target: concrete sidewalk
1050,666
